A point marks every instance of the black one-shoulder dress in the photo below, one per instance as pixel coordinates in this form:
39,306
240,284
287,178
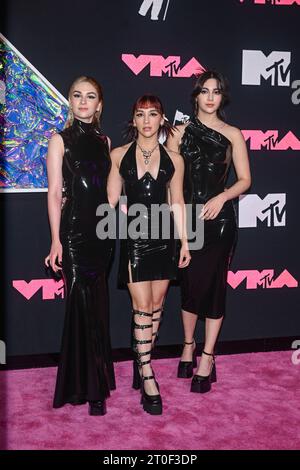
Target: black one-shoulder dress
207,154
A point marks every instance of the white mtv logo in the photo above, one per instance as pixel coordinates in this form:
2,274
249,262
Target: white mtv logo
275,66
180,117
270,209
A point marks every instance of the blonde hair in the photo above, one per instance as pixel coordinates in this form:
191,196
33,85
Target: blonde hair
97,86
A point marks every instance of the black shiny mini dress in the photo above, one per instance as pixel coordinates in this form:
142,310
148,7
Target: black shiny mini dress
207,154
85,371
153,253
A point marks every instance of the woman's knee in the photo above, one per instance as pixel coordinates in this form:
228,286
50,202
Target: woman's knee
157,302
143,305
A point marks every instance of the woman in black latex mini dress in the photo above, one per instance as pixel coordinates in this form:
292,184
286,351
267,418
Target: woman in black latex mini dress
148,172
208,146
78,161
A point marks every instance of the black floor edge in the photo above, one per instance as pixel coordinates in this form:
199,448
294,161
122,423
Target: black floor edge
160,352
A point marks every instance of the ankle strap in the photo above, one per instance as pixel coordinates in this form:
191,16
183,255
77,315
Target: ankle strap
148,377
207,354
193,342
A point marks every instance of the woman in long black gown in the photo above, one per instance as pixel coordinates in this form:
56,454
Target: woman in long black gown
147,263
78,162
208,146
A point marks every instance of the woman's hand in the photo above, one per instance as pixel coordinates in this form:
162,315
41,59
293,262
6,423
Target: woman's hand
212,208
185,257
54,259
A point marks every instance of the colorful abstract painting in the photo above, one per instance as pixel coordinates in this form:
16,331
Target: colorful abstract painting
31,110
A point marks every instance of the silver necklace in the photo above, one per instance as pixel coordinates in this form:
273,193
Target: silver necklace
146,153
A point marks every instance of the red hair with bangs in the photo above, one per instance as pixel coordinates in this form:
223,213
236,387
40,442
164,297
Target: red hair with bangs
148,101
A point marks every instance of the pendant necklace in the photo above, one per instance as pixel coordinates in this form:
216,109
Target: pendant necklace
146,153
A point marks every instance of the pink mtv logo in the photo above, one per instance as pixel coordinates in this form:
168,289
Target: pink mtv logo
160,66
276,2
270,141
264,279
50,288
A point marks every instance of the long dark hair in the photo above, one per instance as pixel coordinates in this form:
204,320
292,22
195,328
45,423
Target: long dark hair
223,86
148,101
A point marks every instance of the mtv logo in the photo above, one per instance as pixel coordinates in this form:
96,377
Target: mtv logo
180,117
274,67
270,210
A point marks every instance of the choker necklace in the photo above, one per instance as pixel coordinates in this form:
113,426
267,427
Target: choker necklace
146,153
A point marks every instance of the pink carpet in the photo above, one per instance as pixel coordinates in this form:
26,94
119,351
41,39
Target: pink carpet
254,405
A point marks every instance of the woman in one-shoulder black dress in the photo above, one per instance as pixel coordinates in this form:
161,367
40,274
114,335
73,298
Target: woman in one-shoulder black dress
78,159
148,261
208,146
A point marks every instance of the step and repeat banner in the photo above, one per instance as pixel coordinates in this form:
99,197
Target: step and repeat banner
159,46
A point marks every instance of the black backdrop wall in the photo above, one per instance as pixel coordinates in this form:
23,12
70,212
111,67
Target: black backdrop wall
256,45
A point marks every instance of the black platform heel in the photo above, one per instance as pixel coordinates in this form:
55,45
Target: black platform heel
185,368
97,408
136,376
137,379
202,384
151,403
213,374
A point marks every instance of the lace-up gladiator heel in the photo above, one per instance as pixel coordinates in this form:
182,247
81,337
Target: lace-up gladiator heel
137,381
185,368
159,319
152,404
202,384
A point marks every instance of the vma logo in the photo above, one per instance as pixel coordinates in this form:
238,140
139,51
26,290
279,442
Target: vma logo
160,66
269,210
49,287
274,68
264,279
276,2
269,140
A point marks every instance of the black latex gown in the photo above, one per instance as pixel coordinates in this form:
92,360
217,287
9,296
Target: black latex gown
207,154
85,371
148,259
